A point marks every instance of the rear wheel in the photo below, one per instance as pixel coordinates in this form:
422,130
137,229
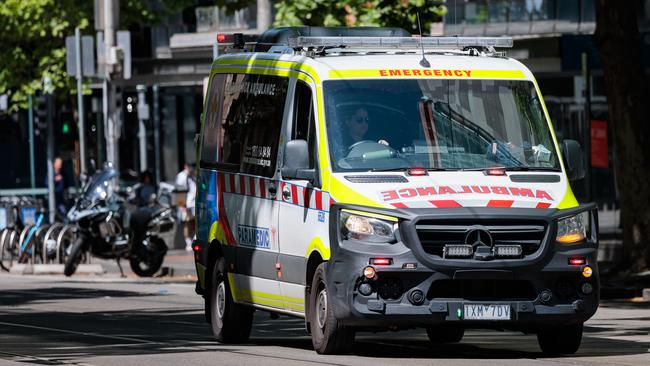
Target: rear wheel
445,334
560,340
231,322
75,257
327,335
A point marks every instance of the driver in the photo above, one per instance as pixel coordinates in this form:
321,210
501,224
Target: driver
357,124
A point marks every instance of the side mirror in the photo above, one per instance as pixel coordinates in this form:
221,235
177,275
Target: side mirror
573,159
296,161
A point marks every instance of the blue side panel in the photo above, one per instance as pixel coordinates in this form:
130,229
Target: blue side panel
206,203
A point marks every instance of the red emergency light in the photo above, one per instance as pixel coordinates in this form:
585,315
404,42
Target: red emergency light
577,261
381,261
495,171
416,172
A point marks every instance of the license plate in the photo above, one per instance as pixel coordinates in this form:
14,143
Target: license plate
487,312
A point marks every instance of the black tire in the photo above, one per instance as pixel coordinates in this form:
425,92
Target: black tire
561,340
74,258
231,322
445,334
144,262
327,335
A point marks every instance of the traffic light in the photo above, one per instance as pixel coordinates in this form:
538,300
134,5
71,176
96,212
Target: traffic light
65,130
40,110
40,115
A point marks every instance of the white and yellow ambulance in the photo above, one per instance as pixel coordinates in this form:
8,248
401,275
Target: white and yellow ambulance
365,179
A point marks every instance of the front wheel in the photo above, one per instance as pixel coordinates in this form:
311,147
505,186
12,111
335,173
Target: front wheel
231,322
560,340
75,257
148,260
327,335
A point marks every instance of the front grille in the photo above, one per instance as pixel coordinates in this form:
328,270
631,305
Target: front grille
435,234
477,290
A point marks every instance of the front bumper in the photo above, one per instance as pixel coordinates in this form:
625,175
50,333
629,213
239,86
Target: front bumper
447,286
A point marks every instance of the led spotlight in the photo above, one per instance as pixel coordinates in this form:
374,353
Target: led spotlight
457,251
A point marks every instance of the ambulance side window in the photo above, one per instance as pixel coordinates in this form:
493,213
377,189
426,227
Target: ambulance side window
303,119
252,114
210,119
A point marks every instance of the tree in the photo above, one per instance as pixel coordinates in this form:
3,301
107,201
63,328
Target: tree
33,39
351,13
617,36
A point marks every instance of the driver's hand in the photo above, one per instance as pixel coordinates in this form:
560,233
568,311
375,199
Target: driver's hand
383,142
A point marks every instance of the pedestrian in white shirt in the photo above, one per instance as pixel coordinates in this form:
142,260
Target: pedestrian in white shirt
185,181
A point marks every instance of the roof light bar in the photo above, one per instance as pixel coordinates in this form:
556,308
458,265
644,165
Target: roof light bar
400,42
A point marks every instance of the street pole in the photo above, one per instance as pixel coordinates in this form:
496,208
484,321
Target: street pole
109,97
143,113
80,103
156,132
30,114
106,125
264,15
47,88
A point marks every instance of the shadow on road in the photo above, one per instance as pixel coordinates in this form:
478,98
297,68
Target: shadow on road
22,297
66,336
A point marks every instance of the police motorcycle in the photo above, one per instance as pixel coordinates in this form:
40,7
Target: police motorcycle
109,225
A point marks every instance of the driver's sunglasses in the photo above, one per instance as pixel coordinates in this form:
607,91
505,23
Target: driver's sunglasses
361,120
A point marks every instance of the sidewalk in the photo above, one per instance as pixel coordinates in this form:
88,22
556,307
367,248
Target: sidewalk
178,263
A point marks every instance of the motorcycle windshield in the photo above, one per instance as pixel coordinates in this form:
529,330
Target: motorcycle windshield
98,188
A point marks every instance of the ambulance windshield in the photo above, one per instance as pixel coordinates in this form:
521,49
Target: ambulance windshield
448,124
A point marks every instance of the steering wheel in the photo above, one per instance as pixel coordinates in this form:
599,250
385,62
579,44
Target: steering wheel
359,143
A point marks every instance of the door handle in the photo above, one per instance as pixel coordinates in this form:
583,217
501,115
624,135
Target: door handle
272,190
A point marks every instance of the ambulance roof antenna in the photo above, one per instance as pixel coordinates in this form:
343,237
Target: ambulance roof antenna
423,62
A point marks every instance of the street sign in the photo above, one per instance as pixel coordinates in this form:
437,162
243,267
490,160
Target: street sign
101,54
70,54
88,55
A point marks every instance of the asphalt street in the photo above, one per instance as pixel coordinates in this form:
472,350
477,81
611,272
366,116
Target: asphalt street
86,320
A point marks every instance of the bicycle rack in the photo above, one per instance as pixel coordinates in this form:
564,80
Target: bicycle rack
65,238
21,241
38,245
7,247
50,235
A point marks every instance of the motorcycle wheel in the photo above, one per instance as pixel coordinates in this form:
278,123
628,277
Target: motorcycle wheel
75,257
145,262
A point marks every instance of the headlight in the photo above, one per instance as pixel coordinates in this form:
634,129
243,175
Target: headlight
366,228
573,229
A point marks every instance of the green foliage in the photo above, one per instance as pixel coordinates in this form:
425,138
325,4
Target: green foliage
33,39
402,13
32,43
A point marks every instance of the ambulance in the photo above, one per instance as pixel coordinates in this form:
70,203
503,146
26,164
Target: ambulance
365,179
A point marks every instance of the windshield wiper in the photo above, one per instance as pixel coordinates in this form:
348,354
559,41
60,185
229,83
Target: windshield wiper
393,169
531,169
403,169
506,168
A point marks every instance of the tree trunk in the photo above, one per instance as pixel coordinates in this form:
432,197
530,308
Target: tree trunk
617,36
